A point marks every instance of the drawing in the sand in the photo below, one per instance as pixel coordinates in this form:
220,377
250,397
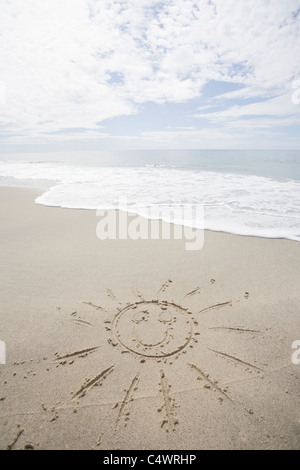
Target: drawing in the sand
159,330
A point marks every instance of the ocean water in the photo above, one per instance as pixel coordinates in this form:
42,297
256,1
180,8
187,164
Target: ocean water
253,192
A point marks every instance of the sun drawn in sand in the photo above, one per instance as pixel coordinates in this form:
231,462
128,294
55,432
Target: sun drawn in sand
160,331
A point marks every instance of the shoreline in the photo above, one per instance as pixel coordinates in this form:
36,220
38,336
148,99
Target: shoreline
99,333
39,191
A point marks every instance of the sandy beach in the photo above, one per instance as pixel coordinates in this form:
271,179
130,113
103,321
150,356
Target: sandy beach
123,344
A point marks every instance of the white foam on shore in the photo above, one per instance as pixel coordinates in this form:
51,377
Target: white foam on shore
240,204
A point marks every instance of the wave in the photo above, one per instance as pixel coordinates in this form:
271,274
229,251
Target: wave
241,204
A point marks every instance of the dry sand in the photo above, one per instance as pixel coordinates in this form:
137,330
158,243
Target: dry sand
142,344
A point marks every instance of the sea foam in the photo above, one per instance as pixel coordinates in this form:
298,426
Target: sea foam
234,203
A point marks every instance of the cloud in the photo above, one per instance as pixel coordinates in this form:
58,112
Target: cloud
77,63
272,112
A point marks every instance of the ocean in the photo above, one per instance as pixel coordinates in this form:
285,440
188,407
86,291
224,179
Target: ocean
245,192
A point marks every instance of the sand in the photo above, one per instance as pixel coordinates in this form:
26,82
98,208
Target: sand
124,344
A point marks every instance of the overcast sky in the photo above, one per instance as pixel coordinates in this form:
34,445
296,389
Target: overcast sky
101,74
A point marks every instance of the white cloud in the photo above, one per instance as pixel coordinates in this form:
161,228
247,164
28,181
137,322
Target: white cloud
74,63
280,106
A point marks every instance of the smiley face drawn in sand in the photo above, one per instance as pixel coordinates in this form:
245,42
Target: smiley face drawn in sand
160,331
153,329
147,327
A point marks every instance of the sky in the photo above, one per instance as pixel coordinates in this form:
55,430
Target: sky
146,74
